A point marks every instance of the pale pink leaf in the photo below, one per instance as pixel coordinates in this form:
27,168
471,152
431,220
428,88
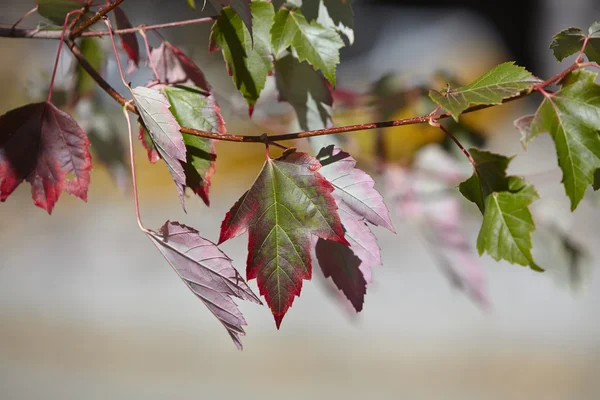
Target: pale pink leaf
207,272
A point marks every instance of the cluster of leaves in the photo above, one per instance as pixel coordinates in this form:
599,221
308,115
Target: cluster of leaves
299,205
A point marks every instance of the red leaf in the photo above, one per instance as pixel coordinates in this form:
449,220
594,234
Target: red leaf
129,41
45,146
207,272
175,68
288,202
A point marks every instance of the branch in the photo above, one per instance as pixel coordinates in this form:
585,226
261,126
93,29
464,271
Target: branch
297,135
46,34
101,13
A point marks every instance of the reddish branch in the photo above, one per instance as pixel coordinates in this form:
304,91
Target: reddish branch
97,17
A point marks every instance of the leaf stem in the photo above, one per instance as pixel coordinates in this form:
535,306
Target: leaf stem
133,176
436,124
152,66
114,46
60,44
27,14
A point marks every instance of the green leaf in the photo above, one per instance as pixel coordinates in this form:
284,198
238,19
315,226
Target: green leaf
191,108
248,63
570,41
306,90
91,49
503,200
508,224
489,176
312,42
287,204
502,82
572,117
57,10
596,184
192,4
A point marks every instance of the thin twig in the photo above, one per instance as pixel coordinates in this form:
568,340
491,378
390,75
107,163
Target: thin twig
46,34
27,14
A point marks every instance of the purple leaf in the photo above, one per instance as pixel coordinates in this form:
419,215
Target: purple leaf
353,186
358,202
207,272
175,68
164,131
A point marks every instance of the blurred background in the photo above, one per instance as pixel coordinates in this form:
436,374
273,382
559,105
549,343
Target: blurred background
90,310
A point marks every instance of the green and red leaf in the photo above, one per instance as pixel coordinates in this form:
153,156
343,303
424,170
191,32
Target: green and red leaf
289,201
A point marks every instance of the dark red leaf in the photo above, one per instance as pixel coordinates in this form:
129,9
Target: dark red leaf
45,146
175,68
350,266
129,41
207,272
289,202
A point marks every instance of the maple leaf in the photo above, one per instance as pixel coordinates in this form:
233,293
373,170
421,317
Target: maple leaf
44,146
248,58
570,41
313,42
175,68
504,201
129,41
306,90
164,130
288,202
572,117
207,272
358,202
192,109
502,82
